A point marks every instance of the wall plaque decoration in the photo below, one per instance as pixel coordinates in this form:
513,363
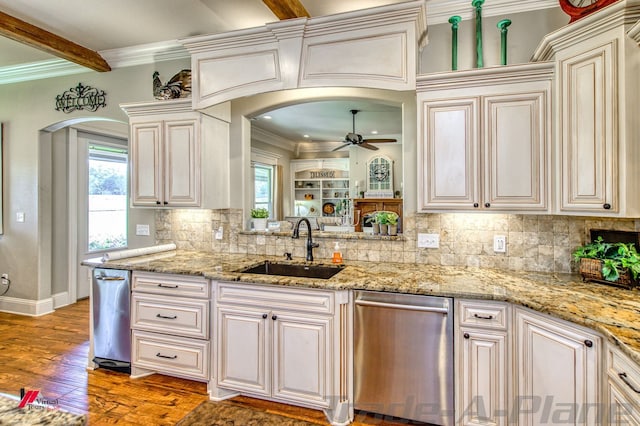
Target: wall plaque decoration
81,98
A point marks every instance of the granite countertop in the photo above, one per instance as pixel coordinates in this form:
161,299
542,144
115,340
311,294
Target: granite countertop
614,312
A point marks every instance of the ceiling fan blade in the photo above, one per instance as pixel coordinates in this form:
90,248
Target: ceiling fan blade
379,140
366,145
341,146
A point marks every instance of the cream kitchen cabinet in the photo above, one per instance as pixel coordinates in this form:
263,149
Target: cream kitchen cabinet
483,374
284,344
484,138
596,94
559,372
623,388
170,324
178,157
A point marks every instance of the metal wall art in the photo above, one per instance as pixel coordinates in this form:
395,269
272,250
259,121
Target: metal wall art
81,98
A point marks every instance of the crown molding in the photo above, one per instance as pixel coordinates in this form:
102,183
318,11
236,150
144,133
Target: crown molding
439,11
145,54
269,138
39,70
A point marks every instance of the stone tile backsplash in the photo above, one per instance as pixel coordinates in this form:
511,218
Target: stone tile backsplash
540,243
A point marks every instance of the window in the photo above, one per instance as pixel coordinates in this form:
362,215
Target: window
263,190
107,197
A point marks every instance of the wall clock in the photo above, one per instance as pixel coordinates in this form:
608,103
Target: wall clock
577,9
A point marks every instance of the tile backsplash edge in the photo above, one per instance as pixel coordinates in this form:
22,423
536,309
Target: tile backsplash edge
541,243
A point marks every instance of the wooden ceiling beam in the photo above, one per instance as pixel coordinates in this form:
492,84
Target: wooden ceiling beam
287,9
33,36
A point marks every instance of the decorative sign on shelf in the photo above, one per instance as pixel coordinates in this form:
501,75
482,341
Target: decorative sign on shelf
81,98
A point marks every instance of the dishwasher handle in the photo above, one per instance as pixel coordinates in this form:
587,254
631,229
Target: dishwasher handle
444,311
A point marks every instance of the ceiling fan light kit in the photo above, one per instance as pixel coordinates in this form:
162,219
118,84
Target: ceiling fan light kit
356,139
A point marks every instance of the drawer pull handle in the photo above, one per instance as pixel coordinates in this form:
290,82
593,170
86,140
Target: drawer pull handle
159,355
487,317
168,286
588,343
626,381
166,317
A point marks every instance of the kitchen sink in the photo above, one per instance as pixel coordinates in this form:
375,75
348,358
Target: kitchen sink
292,270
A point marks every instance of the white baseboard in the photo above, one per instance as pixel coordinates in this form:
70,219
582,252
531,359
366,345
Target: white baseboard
28,307
60,299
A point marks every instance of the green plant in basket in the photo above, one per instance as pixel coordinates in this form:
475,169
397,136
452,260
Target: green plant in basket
259,213
616,258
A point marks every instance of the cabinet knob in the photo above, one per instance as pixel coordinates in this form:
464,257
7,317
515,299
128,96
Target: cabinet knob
264,316
166,202
466,335
487,205
476,205
274,317
607,206
588,343
158,202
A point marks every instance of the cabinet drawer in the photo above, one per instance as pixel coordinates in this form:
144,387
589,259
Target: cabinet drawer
175,285
483,314
305,300
624,372
170,315
175,356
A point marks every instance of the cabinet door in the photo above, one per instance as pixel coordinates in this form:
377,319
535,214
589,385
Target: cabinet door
483,377
558,372
146,166
182,163
515,158
589,131
449,154
243,358
302,358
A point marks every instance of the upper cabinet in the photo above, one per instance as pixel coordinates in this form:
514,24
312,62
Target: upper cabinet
178,157
483,139
597,90
341,50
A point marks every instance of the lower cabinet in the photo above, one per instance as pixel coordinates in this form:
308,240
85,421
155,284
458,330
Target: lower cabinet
482,374
623,389
170,325
284,344
558,371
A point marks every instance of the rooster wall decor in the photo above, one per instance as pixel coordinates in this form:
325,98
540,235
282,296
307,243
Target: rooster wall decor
178,87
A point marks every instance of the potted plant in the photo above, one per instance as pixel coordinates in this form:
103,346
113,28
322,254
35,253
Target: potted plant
259,217
617,263
383,219
392,218
375,225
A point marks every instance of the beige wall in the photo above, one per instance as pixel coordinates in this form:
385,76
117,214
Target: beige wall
25,109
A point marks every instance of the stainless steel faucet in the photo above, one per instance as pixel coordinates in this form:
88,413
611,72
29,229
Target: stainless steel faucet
310,243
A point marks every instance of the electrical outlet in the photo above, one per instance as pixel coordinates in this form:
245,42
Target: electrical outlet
4,280
219,233
429,240
20,217
499,243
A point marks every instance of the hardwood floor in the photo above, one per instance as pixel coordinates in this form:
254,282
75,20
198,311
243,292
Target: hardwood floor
49,354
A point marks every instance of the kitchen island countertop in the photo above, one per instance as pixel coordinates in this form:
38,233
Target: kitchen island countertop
614,312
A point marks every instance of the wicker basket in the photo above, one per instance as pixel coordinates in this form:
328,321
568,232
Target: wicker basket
591,270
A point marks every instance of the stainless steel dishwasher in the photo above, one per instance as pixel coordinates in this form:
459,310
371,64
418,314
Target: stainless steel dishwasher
404,356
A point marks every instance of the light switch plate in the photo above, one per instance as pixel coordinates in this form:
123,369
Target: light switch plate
19,216
429,240
142,229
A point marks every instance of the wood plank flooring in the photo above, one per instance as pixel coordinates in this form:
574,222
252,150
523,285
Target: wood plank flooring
49,354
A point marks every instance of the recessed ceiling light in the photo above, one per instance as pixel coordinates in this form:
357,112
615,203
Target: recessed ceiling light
305,136
374,132
266,117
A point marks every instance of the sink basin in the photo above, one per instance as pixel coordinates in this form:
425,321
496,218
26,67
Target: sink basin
291,270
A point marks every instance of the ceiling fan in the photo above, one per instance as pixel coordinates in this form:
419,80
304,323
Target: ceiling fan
355,139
